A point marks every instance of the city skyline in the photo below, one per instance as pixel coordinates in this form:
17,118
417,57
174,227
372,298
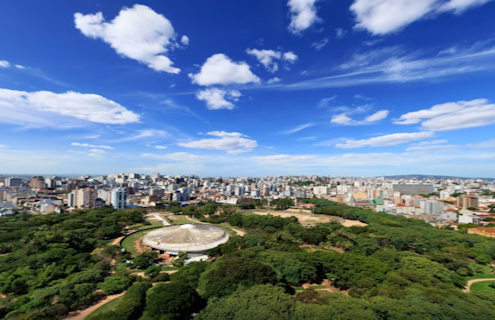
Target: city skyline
313,87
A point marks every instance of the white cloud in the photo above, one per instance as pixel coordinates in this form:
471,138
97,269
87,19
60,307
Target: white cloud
97,151
146,133
160,147
3,146
377,116
458,6
4,64
219,99
18,66
299,128
41,108
433,142
184,40
452,115
388,16
341,119
86,145
138,33
320,44
178,156
325,102
397,65
268,58
231,142
303,15
307,138
220,70
274,80
386,140
282,158
345,119
290,56
340,33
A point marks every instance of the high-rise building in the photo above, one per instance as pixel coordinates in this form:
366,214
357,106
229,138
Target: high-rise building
13,182
465,202
37,183
118,199
85,198
410,189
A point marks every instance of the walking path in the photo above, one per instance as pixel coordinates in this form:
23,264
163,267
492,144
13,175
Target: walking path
82,314
157,217
467,289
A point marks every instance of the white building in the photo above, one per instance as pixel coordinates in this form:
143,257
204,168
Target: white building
118,199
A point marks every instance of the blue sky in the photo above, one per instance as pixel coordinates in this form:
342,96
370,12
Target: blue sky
248,87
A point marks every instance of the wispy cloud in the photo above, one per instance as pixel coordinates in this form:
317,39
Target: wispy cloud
299,128
397,65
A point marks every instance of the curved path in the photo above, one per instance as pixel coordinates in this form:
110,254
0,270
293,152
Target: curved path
82,314
467,289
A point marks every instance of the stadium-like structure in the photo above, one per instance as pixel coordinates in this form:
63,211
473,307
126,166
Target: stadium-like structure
193,239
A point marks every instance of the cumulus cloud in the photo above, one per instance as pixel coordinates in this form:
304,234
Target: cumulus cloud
388,16
386,140
138,33
231,142
268,58
219,99
184,40
41,108
86,145
302,15
220,70
4,64
274,80
452,115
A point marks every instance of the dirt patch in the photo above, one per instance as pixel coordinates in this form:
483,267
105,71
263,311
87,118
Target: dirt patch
325,285
310,219
239,232
117,241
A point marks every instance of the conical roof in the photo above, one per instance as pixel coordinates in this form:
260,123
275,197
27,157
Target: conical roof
186,238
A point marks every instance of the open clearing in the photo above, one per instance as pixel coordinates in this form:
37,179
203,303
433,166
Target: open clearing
311,219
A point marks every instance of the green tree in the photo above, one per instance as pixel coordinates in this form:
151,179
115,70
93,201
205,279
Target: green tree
175,300
259,302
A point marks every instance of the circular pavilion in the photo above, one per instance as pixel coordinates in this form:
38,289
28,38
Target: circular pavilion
194,239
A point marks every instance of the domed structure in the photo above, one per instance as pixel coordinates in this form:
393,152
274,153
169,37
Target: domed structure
186,238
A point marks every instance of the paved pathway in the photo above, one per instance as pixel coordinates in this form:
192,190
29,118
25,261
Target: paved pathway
157,217
467,289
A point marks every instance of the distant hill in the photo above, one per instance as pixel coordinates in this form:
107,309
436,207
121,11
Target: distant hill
435,177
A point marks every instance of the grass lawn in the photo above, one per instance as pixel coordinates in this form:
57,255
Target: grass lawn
483,286
129,242
179,220
106,307
483,271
